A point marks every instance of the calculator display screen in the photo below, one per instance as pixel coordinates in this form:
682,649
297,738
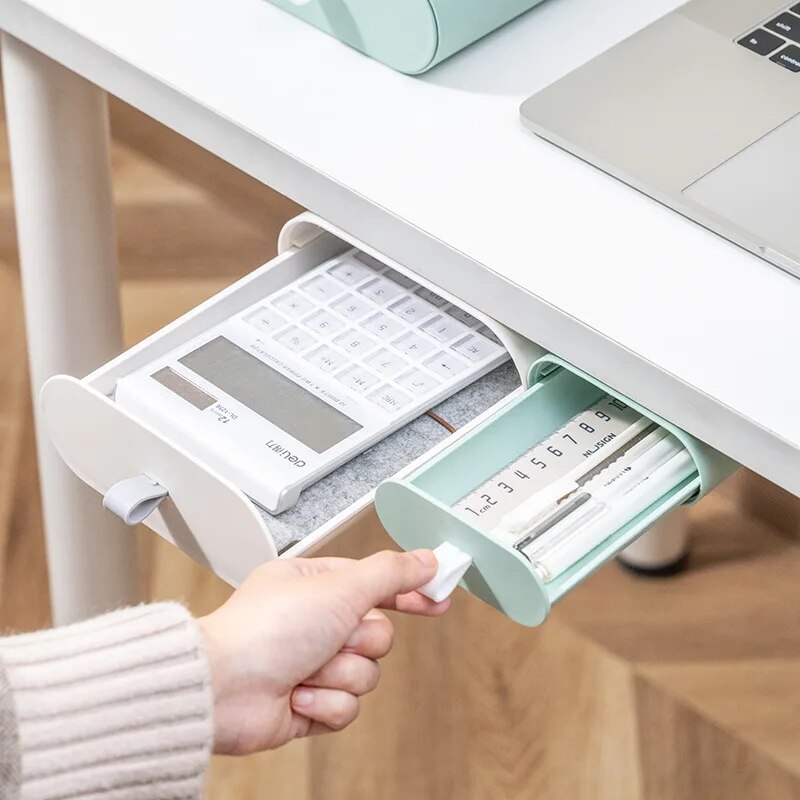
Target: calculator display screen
270,394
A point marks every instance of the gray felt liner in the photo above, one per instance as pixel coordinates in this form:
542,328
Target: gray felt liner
335,492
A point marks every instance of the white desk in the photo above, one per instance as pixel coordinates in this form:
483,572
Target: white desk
436,171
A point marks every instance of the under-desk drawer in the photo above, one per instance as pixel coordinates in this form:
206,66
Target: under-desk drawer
207,515
457,495
417,475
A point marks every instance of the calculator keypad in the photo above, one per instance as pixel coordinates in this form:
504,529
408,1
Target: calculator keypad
375,331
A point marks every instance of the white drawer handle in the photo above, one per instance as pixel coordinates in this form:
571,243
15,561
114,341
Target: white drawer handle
453,564
134,499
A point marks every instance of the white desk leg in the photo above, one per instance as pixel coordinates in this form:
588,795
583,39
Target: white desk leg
58,130
663,549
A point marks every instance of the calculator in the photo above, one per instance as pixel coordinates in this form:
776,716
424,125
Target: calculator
280,394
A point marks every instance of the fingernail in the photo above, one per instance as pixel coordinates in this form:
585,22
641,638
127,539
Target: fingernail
425,557
302,697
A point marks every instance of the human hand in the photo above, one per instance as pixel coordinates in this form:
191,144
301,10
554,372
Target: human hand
298,643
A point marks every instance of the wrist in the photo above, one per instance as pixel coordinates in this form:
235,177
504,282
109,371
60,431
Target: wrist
210,640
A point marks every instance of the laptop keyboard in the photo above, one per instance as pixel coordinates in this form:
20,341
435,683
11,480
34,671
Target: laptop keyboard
778,38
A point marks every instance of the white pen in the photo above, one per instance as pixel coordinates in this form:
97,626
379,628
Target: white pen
641,460
546,501
553,561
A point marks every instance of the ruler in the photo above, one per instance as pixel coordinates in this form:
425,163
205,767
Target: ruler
586,438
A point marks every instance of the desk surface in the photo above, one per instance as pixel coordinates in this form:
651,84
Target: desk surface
438,173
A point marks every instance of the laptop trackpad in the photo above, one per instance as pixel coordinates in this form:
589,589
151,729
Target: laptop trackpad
757,189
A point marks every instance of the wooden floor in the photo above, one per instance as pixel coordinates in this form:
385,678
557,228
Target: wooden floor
686,689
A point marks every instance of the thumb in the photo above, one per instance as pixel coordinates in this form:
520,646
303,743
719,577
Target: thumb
381,577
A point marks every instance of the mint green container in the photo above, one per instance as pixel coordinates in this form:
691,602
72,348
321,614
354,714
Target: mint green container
409,35
416,511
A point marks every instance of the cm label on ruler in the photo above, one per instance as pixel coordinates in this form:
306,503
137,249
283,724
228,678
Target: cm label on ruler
579,440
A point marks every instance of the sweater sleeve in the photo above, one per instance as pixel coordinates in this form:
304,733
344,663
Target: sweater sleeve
118,707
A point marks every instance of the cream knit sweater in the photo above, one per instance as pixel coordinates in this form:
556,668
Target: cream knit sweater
117,708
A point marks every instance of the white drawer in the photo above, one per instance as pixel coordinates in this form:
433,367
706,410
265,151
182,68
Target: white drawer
205,515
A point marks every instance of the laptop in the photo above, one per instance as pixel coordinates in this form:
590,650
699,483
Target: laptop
700,110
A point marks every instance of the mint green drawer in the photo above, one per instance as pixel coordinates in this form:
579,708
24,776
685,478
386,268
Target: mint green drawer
416,509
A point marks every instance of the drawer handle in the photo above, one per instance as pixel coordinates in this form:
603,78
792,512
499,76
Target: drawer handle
133,500
453,564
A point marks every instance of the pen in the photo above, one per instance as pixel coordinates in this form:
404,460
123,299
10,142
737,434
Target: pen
620,468
547,500
641,460
619,508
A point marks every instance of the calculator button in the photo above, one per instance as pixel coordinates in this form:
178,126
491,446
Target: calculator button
413,345
431,297
418,382
265,319
293,304
357,378
389,398
352,307
355,342
386,362
444,328
445,364
321,288
323,322
350,272
380,290
463,316
371,262
411,309
327,359
489,334
382,325
400,279
295,339
475,348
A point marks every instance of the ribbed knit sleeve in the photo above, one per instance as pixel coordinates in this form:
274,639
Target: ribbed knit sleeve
118,707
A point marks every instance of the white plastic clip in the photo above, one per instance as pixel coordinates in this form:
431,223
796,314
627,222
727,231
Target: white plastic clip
134,499
453,563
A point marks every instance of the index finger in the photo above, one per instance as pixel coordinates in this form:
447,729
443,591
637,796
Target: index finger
416,603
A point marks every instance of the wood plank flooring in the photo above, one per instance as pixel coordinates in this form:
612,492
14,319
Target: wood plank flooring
687,688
